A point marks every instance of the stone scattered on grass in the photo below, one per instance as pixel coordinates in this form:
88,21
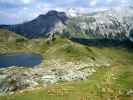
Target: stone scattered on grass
11,81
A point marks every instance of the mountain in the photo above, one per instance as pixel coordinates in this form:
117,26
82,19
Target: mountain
40,26
115,23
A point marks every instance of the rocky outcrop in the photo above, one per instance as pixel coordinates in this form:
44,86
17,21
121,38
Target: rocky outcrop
12,81
16,81
115,23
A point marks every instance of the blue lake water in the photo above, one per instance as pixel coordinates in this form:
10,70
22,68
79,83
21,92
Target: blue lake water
20,60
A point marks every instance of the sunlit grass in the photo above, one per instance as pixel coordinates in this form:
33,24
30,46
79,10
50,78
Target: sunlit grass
108,83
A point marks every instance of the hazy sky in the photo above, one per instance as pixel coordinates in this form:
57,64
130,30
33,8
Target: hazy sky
16,11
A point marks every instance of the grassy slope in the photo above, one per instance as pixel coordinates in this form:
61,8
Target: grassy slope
108,83
10,40
100,86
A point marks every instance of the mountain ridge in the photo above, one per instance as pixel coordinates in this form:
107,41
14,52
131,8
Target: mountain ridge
40,26
115,23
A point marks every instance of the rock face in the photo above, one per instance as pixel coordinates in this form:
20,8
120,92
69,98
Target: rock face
11,82
40,26
16,81
115,23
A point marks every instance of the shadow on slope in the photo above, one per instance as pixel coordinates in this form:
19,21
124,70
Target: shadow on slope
101,42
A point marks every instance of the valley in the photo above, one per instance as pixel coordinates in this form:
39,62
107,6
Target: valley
70,70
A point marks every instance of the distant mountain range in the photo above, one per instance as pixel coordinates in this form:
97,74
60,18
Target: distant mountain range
116,23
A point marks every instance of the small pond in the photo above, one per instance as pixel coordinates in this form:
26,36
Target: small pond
20,59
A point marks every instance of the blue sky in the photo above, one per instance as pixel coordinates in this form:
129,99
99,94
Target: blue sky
17,11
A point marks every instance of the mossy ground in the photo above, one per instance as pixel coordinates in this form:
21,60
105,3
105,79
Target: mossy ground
108,83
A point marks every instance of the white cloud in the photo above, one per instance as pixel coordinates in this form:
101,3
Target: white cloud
109,1
93,2
124,2
27,1
22,10
18,2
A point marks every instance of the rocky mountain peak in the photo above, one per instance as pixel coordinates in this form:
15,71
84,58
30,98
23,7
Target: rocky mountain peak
60,15
40,26
52,12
